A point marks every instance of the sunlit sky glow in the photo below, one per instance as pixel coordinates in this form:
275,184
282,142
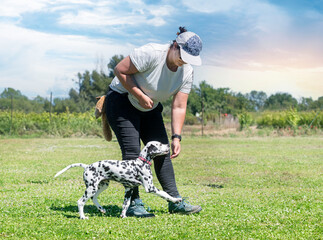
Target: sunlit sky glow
271,46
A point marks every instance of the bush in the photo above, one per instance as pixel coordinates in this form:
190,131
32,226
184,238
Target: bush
190,119
62,124
245,120
290,119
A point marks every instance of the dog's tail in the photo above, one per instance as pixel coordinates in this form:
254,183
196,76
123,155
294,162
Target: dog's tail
71,166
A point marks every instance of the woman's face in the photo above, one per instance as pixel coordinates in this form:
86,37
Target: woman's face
177,58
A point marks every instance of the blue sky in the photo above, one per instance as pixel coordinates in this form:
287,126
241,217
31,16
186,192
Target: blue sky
272,46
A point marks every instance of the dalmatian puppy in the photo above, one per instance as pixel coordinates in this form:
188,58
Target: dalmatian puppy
130,173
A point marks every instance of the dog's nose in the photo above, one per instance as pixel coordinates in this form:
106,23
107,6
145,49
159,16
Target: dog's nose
166,147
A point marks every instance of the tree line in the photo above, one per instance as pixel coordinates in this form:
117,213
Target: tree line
203,97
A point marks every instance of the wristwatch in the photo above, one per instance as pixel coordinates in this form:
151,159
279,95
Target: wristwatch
177,136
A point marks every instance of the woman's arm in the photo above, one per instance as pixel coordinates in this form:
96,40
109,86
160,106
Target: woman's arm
124,71
178,116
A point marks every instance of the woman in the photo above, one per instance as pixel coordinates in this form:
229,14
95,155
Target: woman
149,75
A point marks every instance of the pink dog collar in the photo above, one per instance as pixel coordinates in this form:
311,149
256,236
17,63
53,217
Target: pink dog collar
145,160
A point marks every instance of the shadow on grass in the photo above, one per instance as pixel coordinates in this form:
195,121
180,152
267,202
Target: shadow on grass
89,210
215,185
92,211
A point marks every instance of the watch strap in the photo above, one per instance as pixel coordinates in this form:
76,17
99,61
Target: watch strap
177,136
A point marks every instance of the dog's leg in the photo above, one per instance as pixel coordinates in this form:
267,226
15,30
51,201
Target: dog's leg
166,196
103,185
126,202
89,192
150,188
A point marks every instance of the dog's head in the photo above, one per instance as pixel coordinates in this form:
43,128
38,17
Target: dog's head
154,149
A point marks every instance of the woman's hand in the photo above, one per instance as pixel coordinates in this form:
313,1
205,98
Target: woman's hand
146,101
176,148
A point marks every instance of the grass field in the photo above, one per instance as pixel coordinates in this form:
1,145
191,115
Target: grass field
249,188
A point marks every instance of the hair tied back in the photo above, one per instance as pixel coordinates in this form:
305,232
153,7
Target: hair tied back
181,30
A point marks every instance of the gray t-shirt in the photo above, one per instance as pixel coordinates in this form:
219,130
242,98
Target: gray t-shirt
153,76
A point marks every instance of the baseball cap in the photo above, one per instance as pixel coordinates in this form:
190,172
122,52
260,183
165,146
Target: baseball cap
190,47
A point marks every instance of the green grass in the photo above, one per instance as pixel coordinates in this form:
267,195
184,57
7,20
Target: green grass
249,188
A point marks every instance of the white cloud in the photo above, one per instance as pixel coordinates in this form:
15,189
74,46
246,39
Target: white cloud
35,62
161,11
98,19
157,21
211,6
104,14
14,8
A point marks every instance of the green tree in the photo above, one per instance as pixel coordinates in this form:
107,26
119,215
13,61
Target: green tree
13,99
90,86
10,92
113,63
257,99
64,105
280,101
318,104
305,104
194,101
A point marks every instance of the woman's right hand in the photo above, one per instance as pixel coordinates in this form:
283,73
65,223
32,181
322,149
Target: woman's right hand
146,101
124,71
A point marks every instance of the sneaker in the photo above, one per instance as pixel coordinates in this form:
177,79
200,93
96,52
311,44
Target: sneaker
183,207
137,209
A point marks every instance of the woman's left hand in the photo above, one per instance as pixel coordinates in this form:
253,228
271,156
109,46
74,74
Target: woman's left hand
176,148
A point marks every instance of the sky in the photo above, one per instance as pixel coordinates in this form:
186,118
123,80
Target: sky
263,45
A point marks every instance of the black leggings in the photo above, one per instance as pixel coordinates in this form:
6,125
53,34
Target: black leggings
130,126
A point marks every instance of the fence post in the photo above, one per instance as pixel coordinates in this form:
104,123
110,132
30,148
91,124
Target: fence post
11,115
202,118
50,108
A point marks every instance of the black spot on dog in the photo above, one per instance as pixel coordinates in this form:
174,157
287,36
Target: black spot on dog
92,168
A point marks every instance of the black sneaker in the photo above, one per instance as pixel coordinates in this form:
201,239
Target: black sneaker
183,207
137,209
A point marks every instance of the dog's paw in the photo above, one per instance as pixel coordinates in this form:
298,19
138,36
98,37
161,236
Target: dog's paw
123,216
84,218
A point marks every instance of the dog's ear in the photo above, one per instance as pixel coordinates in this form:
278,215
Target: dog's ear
151,149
